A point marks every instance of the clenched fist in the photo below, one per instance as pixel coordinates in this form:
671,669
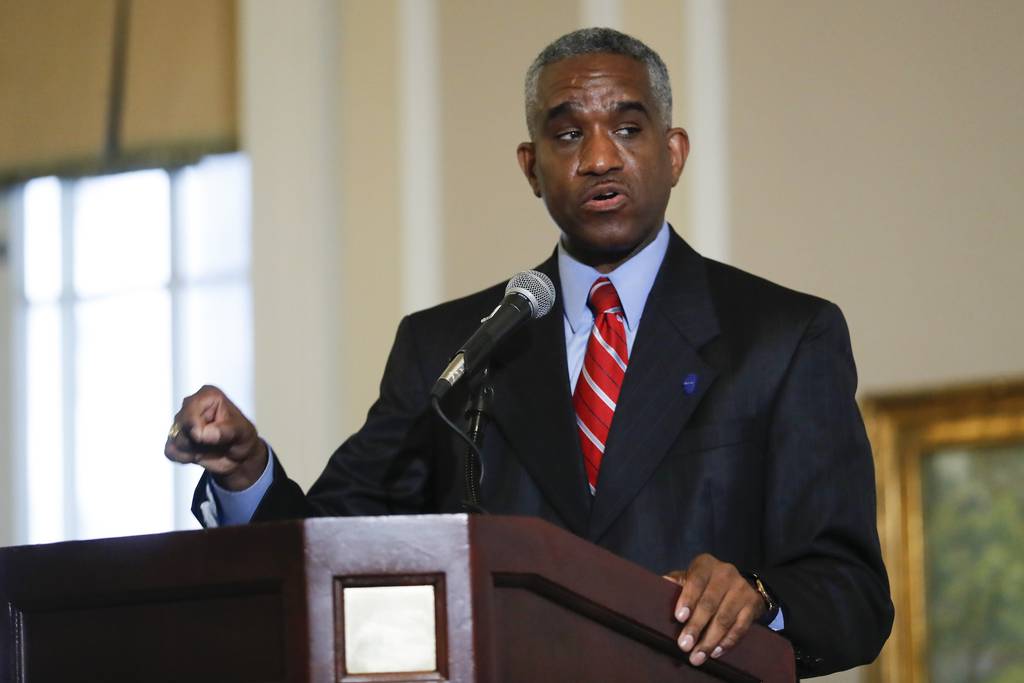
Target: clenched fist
211,431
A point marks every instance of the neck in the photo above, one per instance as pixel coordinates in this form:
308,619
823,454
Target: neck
605,262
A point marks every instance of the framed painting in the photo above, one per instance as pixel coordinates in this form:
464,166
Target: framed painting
949,466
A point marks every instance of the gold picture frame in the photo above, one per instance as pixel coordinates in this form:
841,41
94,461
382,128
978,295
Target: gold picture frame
905,429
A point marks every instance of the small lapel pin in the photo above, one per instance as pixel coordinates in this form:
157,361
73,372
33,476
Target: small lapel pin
690,384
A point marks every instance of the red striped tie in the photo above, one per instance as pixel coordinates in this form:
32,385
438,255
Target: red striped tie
604,368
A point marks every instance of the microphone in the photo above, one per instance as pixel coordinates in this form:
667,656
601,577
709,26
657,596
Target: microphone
529,294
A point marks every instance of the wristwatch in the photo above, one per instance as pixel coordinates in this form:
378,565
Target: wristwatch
771,607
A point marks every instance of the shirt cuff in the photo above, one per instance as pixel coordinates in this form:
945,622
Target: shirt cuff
238,507
778,623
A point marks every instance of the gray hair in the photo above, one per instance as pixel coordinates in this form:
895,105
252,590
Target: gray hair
588,41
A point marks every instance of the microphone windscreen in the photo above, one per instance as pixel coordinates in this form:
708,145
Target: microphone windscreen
537,288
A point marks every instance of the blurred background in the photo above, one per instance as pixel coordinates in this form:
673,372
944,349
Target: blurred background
252,193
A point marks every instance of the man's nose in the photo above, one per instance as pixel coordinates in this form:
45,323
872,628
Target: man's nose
598,155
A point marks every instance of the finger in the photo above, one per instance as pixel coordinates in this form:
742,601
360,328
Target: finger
703,610
696,577
204,413
743,621
176,454
235,437
186,452
215,433
679,609
179,442
199,408
208,418
675,576
215,463
180,445
720,624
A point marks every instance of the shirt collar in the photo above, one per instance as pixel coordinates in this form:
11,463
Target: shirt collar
633,280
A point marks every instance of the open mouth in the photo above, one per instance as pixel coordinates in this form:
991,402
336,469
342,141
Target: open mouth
605,200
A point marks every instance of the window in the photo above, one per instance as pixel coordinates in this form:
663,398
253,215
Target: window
132,290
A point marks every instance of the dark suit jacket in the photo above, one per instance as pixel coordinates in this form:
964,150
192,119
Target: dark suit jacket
736,434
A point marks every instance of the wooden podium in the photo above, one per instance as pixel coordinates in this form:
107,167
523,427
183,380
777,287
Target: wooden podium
442,598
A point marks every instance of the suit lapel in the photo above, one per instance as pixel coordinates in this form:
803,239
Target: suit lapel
533,408
665,381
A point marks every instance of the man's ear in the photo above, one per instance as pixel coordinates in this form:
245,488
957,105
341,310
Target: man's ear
678,149
527,158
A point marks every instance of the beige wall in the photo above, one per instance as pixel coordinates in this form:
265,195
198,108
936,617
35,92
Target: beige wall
877,154
371,235
493,226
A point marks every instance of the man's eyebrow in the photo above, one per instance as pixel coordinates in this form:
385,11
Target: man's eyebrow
619,107
560,109
632,105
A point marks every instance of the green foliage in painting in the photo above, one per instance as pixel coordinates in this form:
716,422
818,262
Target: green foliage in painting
973,507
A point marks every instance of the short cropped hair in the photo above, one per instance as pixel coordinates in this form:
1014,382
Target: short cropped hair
588,41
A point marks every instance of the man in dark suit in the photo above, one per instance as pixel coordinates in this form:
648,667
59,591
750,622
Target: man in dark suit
683,414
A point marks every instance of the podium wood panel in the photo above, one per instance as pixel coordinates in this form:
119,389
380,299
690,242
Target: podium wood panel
517,600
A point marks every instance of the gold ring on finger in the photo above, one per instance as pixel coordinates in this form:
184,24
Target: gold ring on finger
173,433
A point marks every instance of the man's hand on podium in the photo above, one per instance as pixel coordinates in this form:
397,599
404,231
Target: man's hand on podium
716,601
211,431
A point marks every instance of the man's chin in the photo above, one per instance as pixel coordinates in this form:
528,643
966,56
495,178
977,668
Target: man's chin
607,249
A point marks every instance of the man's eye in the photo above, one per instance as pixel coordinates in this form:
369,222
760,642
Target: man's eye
569,135
627,131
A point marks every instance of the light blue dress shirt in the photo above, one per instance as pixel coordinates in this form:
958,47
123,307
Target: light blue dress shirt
632,281
238,507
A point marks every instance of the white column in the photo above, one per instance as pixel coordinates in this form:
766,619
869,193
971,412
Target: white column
419,111
11,476
704,35
289,114
603,13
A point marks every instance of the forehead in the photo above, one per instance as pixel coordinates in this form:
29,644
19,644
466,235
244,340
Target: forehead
594,80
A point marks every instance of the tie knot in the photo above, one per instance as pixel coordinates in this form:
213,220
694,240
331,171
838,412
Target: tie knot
603,298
